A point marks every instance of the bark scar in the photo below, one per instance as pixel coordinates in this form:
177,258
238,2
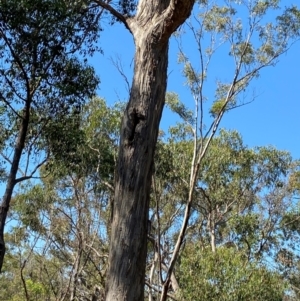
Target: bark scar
133,122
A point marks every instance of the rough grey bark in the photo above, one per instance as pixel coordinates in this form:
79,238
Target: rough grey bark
133,176
151,27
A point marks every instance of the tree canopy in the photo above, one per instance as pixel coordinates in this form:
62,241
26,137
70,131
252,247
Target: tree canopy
99,202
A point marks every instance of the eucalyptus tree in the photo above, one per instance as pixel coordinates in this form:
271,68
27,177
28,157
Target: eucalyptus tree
239,204
151,27
58,240
152,23
58,247
41,81
226,275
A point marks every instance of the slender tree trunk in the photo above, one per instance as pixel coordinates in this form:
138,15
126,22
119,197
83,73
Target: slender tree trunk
11,181
152,275
213,240
79,251
211,226
152,27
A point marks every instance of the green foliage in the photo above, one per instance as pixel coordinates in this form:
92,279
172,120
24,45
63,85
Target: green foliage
87,142
246,228
218,18
173,102
254,34
259,8
127,6
30,204
241,205
245,51
35,289
41,72
226,275
289,22
239,209
62,222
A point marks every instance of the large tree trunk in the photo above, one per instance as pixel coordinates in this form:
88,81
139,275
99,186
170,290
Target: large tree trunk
152,27
133,177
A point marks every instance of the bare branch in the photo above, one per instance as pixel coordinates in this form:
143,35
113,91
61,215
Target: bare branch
6,158
117,63
23,280
114,12
158,290
32,173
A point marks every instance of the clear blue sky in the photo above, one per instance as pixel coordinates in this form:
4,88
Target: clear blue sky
272,119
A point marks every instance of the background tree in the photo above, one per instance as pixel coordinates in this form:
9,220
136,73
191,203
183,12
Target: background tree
252,45
151,23
218,28
225,275
40,79
151,26
239,203
59,232
58,241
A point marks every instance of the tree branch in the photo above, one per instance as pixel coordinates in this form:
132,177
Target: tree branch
23,280
176,14
113,12
32,173
158,290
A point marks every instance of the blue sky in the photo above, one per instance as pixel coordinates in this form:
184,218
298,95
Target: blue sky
271,119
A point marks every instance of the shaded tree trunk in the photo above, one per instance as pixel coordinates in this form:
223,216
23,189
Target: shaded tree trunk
152,27
133,177
11,181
